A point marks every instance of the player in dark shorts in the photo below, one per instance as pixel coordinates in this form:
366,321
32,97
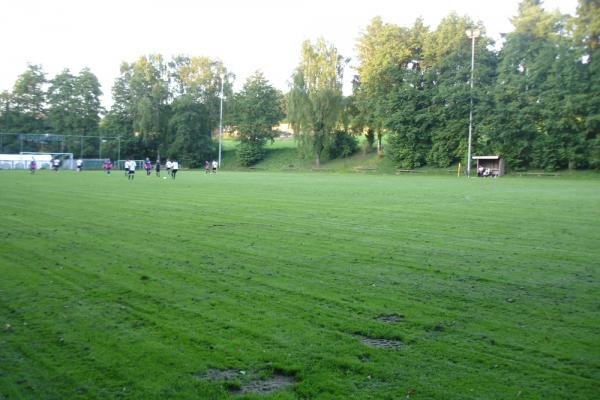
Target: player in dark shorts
158,168
131,170
174,168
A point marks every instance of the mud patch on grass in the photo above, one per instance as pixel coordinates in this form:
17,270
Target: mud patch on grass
381,343
242,382
391,319
439,327
264,386
218,375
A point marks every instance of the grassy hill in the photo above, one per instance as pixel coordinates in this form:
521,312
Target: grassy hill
282,155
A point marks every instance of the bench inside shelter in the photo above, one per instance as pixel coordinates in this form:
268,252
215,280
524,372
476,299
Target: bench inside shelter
491,166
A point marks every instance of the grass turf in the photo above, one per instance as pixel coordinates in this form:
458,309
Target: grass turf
117,289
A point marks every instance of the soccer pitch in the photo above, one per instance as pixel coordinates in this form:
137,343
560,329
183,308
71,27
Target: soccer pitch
298,286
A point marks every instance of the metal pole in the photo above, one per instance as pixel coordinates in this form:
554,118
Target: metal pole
471,33
81,149
221,121
100,147
119,152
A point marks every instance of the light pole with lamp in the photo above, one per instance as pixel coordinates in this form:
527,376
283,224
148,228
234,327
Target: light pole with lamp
472,34
221,120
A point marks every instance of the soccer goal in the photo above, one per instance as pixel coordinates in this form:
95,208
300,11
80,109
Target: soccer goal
66,159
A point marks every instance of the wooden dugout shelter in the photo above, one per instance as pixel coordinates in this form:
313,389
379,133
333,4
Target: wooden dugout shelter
494,163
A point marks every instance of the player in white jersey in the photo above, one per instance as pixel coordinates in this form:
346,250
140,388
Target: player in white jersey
131,169
174,168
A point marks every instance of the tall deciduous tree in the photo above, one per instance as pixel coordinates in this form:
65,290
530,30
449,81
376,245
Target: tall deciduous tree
254,111
150,92
315,100
200,77
587,37
119,119
447,55
519,82
408,119
140,111
381,49
61,100
189,131
29,101
89,107
74,103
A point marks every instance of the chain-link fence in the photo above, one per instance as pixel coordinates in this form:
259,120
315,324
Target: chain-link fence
82,146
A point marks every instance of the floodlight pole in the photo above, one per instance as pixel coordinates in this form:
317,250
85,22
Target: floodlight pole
472,34
221,120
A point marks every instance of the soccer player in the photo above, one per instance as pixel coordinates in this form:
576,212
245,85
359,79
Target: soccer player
215,164
126,166
107,166
158,168
55,164
131,170
147,166
206,167
32,166
168,164
174,168
79,164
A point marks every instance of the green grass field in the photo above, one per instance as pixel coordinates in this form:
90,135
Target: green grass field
328,286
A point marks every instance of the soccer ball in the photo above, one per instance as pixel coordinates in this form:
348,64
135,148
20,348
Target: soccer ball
164,177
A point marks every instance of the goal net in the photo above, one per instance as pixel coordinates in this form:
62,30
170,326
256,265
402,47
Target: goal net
44,160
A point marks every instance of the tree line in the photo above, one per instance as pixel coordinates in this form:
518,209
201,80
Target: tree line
536,101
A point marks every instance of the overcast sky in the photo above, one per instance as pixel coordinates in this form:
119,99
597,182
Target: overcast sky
245,35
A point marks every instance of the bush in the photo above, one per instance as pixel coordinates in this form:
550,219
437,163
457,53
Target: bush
343,145
405,151
249,153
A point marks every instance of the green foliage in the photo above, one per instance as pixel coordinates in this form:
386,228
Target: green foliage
587,24
408,122
382,48
535,102
448,56
315,100
253,113
74,103
168,108
201,78
342,145
249,153
533,20
189,132
27,101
